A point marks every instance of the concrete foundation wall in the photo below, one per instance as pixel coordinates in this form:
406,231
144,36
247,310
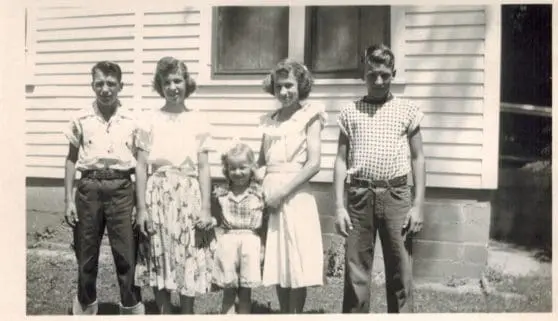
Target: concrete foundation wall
453,242
454,239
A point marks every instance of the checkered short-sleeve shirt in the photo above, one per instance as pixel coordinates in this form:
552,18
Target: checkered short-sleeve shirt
244,211
378,137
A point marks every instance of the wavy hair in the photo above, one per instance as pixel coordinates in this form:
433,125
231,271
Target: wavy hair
300,72
167,66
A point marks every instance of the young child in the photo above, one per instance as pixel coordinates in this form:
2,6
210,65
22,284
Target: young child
377,133
238,208
103,138
290,152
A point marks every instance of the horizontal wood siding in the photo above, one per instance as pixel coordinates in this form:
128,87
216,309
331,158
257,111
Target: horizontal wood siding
64,41
444,72
445,56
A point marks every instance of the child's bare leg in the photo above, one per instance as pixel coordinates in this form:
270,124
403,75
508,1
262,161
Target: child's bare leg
186,304
283,296
163,300
297,299
229,298
244,300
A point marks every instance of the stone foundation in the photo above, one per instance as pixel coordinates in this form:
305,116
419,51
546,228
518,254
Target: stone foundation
453,242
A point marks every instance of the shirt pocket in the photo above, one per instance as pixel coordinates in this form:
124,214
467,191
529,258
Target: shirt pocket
255,208
93,136
122,136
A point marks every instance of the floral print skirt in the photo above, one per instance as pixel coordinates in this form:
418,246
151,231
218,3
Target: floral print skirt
178,257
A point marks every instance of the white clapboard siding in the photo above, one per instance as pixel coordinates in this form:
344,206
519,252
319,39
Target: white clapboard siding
444,72
446,47
420,61
461,77
168,32
437,18
67,42
467,32
76,68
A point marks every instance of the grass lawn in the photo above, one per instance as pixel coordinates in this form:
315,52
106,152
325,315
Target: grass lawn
51,284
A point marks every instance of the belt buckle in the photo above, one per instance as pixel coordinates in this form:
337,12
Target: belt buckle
387,183
380,183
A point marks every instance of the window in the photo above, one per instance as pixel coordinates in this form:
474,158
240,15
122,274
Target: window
249,41
337,37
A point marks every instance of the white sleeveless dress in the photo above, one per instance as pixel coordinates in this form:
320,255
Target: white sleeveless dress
293,250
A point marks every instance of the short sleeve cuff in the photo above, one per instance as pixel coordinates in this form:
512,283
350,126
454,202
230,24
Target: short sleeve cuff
417,117
73,133
143,134
143,139
341,123
205,142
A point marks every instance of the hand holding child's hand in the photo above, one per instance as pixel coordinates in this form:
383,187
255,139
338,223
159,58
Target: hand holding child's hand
259,174
414,219
343,222
275,199
205,221
70,215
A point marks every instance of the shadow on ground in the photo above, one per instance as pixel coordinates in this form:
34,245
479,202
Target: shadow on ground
108,308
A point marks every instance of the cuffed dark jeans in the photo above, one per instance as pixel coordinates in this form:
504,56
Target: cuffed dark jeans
383,210
100,204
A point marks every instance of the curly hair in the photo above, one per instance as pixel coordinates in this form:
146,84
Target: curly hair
379,54
107,68
300,72
238,149
167,66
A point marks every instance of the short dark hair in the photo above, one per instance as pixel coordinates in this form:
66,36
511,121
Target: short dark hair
107,68
379,54
300,72
167,66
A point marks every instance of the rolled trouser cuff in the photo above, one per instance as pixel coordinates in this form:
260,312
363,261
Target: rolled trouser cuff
138,309
80,309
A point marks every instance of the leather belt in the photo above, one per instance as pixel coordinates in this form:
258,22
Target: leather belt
106,174
394,182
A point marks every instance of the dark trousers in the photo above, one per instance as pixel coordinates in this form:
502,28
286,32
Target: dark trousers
383,210
100,204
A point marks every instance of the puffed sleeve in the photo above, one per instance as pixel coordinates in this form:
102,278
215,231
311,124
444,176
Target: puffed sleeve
74,132
204,138
144,132
318,110
415,117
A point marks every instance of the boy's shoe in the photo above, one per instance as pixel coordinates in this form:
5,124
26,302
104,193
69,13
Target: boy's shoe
79,309
138,309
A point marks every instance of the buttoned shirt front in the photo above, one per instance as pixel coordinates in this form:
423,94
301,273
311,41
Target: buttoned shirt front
378,136
104,144
244,211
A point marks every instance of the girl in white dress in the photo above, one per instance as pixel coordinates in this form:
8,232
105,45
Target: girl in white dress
175,215
290,152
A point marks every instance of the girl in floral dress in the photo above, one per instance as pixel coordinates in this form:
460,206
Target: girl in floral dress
290,152
176,218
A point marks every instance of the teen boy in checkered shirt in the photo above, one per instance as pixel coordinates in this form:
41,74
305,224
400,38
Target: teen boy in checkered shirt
377,134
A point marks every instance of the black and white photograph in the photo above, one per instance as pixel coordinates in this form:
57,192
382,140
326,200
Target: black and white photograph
291,157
